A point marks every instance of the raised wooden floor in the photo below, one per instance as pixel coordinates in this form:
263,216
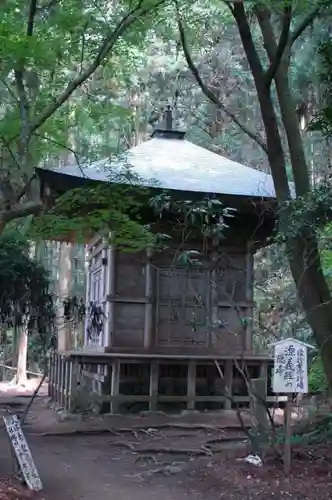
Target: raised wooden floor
154,380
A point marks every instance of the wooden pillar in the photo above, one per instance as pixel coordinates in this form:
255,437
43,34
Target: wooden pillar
66,378
154,383
73,383
111,284
263,370
191,385
115,385
249,297
58,377
214,302
55,375
148,325
63,291
258,408
228,388
87,294
50,374
102,341
63,380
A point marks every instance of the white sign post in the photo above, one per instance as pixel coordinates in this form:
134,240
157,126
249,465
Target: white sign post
22,452
290,375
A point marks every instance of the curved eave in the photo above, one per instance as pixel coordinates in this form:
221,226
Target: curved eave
60,182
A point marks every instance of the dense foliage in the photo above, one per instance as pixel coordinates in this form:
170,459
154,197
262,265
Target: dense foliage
50,50
23,282
25,301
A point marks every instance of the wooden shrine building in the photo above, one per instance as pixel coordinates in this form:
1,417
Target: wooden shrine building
170,329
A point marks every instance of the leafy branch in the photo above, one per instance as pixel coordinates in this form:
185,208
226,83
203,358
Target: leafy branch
306,21
104,50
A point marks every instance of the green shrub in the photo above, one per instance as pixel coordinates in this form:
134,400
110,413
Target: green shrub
317,378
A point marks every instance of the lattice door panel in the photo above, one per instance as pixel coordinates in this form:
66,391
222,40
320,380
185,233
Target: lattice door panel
97,291
182,307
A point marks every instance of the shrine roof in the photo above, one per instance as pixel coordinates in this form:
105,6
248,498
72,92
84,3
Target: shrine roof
169,161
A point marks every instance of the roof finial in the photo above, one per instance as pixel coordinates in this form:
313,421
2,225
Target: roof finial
168,118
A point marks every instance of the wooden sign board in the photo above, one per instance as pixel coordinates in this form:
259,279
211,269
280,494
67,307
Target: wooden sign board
290,375
22,452
290,372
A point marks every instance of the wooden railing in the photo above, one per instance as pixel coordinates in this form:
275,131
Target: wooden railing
62,379
68,372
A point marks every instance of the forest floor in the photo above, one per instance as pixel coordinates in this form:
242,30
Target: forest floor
153,456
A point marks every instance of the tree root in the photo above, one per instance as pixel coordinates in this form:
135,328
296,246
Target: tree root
151,429
203,451
164,469
146,459
202,427
226,439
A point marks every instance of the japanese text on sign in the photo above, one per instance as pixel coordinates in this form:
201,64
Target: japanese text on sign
22,452
290,368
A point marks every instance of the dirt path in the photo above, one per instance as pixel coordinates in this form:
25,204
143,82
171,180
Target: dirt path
85,467
73,468
135,463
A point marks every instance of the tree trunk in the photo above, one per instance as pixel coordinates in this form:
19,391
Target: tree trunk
302,249
21,375
314,293
15,338
303,252
64,289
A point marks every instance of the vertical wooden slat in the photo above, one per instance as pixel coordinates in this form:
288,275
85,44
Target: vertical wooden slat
111,294
249,297
148,325
66,384
157,305
87,295
263,372
107,297
257,404
191,385
58,382
154,383
228,378
73,383
115,385
55,371
103,296
50,375
62,369
64,290
214,316
58,372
